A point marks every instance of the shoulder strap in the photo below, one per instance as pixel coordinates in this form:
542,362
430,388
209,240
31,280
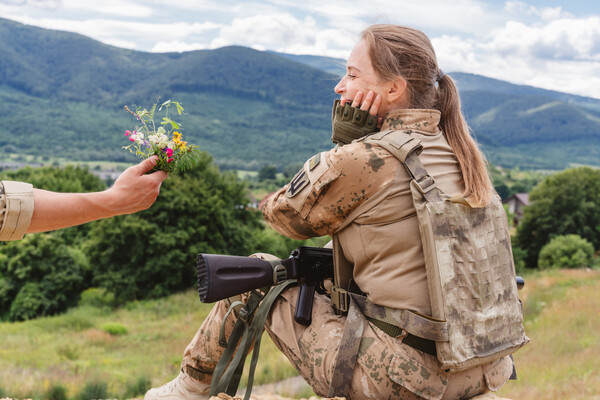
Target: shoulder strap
407,149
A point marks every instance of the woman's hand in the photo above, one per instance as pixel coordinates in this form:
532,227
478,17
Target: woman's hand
370,103
134,190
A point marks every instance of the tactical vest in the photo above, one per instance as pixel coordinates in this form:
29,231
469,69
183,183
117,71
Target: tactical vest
476,313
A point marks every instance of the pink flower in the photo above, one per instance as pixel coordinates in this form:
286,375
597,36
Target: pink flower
127,133
169,160
169,153
131,139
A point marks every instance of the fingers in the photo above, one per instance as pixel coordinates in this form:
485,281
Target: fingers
374,108
371,102
159,176
357,99
146,165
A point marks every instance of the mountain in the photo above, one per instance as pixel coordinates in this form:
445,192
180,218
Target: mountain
523,126
62,94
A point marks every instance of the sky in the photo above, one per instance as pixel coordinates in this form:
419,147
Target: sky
549,44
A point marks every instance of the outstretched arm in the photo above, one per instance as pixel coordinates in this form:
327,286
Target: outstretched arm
132,191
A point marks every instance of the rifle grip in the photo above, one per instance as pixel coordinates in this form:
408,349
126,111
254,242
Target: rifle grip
304,303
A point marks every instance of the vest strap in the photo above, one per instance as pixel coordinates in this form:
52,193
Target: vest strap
417,324
347,353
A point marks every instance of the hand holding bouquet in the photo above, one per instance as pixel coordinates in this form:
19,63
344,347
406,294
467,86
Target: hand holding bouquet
174,154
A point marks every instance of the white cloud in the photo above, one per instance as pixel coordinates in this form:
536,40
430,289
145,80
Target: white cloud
569,39
562,55
518,8
110,7
282,32
177,46
466,16
41,4
122,33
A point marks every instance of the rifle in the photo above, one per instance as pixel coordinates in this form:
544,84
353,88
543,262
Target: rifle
221,277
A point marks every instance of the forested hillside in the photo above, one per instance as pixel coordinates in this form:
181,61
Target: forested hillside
61,95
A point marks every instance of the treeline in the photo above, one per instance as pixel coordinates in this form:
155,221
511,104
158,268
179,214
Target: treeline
145,255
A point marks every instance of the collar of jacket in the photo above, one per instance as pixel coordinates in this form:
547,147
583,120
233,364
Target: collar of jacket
418,119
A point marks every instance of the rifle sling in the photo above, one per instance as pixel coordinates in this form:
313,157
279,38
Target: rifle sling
250,327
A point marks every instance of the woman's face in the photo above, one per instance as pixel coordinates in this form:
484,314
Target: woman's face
360,75
360,79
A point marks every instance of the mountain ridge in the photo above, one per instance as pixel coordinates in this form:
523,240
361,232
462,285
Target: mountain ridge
248,108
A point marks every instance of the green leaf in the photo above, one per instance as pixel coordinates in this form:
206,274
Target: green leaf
152,111
179,107
166,103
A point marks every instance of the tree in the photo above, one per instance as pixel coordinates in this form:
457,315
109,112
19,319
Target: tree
40,275
267,172
564,203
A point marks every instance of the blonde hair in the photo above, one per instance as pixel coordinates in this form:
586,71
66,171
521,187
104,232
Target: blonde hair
399,51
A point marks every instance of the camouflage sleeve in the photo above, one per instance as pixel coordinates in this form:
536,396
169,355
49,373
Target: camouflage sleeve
328,187
16,209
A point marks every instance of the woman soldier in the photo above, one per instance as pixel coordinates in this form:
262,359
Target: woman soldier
360,194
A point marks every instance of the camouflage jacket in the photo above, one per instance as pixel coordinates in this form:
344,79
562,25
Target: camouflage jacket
16,209
361,193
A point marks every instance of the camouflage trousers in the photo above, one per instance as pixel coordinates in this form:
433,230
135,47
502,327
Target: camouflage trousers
385,369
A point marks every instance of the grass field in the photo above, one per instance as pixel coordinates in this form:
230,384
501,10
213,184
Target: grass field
562,319
77,348
141,344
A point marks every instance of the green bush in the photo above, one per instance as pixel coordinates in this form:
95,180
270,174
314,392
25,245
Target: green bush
567,251
29,303
138,387
114,328
93,391
56,392
97,297
41,275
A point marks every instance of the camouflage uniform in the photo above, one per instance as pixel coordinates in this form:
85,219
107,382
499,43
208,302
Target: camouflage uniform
361,192
16,209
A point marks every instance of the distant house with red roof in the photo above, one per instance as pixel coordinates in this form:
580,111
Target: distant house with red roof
516,203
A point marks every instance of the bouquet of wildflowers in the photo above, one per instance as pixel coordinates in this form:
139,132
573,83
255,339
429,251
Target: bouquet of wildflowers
174,154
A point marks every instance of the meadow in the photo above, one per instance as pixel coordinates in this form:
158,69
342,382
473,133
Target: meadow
123,351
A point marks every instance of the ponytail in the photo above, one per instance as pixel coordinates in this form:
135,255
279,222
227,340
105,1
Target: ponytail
477,184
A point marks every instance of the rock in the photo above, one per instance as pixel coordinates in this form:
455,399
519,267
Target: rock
223,396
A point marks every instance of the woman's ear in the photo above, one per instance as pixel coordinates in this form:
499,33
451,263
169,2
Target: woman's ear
395,92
